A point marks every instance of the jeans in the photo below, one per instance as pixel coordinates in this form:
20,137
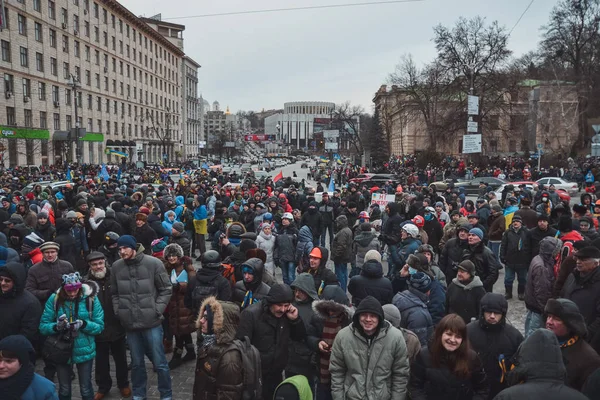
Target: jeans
148,342
509,276
393,261
84,371
533,321
328,227
341,272
495,248
119,353
288,270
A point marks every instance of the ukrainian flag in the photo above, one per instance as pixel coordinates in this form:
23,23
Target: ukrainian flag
324,159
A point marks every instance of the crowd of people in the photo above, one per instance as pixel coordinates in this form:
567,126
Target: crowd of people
281,290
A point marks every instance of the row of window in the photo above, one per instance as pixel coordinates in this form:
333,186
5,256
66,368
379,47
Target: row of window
123,49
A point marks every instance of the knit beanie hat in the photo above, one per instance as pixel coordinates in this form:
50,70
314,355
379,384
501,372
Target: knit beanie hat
127,241
365,227
369,305
373,255
280,293
178,226
420,281
32,240
392,315
477,232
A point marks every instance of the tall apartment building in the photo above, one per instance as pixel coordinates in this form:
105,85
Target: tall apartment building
128,75
219,126
193,130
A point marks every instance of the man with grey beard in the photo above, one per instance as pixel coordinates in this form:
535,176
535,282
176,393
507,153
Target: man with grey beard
112,339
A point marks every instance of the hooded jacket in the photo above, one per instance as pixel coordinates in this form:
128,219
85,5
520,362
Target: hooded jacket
68,245
300,355
493,341
415,315
219,369
267,243
451,256
539,372
207,279
285,244
486,264
145,235
304,246
369,369
371,282
141,291
181,318
363,242
540,277
341,248
323,276
20,309
270,335
464,299
313,219
259,289
84,347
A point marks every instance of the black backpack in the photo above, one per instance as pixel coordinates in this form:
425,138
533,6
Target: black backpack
252,381
200,293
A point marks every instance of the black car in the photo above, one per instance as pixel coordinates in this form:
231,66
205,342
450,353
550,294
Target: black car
472,186
380,180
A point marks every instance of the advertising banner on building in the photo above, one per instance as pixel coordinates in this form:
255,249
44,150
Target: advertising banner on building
258,138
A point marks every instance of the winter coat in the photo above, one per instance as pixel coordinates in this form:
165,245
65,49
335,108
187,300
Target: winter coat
483,213
335,300
40,388
493,341
371,282
450,230
539,372
434,233
428,382
184,241
497,226
156,225
375,370
181,319
84,347
144,235
323,276
341,248
451,256
140,305
267,243
585,292
113,330
326,211
515,251
270,335
535,237
300,355
20,310
529,217
464,299
207,280
46,231
259,289
486,264
406,248
436,299
285,244
44,278
540,277
314,222
363,242
219,369
68,244
167,224
581,360
304,246
415,315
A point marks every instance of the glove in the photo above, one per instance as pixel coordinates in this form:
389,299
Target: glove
77,325
62,324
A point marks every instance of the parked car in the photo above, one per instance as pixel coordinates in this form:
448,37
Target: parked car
570,187
471,187
52,184
380,180
361,177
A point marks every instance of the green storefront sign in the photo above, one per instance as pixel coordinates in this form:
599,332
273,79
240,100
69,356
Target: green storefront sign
9,132
93,137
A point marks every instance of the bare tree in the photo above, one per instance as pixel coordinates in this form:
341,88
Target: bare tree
347,117
161,127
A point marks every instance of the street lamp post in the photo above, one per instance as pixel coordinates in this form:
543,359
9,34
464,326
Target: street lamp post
75,84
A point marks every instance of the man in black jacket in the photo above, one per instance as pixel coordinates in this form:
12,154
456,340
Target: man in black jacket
112,338
452,253
326,210
542,230
492,338
486,264
143,233
322,275
20,310
207,282
314,220
269,325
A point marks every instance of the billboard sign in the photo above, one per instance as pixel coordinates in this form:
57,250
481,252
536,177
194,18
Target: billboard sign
258,138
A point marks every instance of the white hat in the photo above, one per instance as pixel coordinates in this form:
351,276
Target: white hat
288,215
411,230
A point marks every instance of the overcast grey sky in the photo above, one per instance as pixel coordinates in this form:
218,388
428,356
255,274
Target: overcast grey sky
257,61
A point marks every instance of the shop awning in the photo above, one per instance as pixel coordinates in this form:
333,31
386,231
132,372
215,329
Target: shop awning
110,142
118,143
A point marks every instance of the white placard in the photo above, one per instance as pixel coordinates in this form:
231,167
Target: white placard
472,126
382,199
331,146
471,144
331,134
473,105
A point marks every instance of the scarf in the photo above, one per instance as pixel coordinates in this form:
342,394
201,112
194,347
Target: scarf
331,327
569,342
248,299
12,388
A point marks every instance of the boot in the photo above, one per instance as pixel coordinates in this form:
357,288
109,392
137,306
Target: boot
190,353
176,361
168,345
521,292
508,294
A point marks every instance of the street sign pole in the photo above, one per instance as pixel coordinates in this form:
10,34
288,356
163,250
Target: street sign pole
539,150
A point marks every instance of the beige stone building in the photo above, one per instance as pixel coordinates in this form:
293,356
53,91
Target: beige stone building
537,112
127,87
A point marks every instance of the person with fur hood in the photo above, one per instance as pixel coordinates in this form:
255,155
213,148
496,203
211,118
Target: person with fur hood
266,241
331,313
371,281
181,318
364,241
219,368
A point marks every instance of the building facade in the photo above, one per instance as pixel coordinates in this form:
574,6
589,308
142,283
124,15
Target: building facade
92,65
220,127
191,114
534,113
